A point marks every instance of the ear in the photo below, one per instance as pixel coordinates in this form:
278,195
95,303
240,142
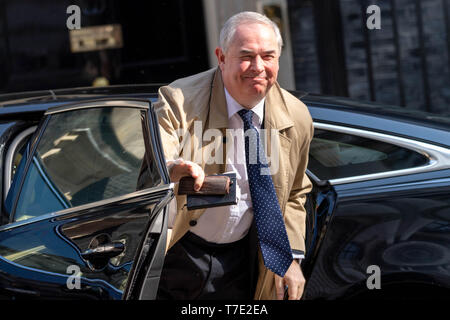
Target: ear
220,57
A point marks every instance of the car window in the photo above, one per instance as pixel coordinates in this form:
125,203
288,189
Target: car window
335,155
85,156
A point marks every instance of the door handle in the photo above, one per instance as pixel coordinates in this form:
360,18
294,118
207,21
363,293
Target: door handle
105,251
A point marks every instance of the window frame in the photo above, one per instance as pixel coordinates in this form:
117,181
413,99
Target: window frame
151,142
439,157
9,158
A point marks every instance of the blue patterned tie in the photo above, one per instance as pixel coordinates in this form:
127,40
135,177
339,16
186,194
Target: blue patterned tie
272,235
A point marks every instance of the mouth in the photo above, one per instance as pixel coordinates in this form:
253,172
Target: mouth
256,78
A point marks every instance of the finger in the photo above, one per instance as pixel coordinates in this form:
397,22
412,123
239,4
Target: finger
199,179
279,287
301,285
293,292
195,171
192,170
301,288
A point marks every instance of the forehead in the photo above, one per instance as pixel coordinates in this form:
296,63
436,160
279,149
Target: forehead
254,34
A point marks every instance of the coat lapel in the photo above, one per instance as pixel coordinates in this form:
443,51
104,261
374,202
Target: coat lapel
218,112
277,117
276,113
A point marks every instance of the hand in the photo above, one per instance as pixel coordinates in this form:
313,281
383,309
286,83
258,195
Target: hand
295,281
180,168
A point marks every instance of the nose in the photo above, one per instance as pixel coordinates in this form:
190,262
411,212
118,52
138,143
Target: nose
258,64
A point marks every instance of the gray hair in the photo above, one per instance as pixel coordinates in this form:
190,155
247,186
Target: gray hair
230,26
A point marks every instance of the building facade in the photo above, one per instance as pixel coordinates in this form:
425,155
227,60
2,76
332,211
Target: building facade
329,48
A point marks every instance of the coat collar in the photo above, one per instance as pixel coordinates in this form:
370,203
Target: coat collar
218,113
276,113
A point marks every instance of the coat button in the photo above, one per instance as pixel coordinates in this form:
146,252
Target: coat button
193,223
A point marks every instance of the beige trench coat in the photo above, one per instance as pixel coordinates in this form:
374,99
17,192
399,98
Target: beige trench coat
201,98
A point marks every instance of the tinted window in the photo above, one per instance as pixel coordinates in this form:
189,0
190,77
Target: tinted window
86,156
336,155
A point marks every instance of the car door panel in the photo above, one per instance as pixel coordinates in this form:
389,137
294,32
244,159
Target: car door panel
97,238
399,225
319,206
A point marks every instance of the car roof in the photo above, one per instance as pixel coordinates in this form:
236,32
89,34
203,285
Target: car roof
440,121
61,95
378,117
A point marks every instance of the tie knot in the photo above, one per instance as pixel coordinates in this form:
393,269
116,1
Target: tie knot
246,116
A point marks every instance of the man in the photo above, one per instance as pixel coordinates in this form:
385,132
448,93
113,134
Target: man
210,251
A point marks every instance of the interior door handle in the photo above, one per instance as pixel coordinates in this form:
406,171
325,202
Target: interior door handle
105,251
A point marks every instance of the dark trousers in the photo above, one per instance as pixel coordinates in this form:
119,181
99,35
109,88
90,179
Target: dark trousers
197,269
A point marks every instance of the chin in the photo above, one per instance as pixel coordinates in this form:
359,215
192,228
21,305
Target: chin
258,90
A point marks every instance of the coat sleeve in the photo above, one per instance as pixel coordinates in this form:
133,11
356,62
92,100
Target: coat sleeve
167,111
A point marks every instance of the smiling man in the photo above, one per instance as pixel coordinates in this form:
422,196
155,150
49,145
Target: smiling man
252,249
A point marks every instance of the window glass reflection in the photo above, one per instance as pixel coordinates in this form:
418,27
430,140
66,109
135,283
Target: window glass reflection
335,155
86,156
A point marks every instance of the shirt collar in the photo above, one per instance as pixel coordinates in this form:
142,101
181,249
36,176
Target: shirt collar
233,107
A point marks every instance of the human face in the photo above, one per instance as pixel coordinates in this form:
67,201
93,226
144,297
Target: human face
250,65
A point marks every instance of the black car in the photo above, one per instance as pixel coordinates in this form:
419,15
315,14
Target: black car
85,197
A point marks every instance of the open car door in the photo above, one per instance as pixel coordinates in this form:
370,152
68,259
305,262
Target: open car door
88,206
319,205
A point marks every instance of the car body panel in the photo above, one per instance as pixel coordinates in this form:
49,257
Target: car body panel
401,226
52,245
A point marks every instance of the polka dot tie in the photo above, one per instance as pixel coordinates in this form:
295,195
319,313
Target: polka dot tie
273,239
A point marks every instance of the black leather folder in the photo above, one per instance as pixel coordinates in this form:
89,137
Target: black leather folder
201,201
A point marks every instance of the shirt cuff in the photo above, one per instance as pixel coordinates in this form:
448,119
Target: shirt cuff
298,255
